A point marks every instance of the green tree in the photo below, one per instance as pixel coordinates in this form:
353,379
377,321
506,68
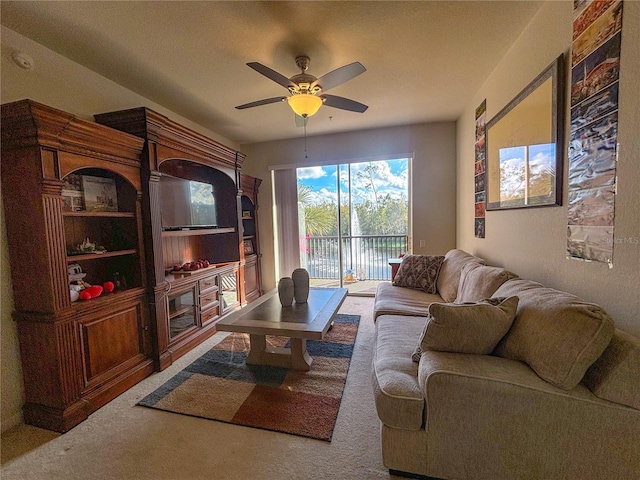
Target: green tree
319,219
367,176
389,217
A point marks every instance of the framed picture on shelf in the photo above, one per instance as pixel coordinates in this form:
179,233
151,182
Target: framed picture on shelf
99,194
72,201
248,247
72,193
246,214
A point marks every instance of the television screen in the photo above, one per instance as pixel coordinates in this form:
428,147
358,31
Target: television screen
186,203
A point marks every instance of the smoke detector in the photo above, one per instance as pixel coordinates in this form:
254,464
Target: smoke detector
23,60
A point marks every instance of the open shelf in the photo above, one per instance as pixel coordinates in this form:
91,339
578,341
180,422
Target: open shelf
197,231
179,311
99,214
98,256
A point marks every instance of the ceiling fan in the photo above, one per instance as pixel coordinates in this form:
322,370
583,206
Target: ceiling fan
307,91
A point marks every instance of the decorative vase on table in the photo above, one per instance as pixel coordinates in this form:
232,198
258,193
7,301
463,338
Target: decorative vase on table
285,291
300,278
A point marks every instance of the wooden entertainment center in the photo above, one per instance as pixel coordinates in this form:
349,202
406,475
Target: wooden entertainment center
78,355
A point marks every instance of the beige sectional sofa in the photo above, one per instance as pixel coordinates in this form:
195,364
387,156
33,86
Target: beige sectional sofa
558,398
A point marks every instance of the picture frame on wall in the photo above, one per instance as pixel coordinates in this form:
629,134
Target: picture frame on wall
524,145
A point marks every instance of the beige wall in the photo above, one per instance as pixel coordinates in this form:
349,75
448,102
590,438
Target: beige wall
532,242
433,170
58,82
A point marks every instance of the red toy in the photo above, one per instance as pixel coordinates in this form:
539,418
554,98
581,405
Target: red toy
94,291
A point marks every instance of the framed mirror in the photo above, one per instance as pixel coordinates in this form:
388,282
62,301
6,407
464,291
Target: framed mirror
524,145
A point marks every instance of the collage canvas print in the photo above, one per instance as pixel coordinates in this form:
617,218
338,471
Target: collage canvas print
595,70
479,170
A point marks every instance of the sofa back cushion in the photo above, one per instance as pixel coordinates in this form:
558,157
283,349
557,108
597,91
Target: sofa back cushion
557,334
615,376
449,276
419,271
480,281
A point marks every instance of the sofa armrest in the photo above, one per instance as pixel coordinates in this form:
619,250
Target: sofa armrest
497,414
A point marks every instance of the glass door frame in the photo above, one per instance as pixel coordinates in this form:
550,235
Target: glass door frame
339,192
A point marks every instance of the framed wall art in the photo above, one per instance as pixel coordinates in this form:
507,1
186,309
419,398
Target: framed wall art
524,145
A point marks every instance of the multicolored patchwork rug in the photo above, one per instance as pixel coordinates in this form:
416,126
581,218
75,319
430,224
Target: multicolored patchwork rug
221,386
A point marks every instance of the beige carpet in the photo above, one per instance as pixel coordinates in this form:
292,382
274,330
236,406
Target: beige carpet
122,441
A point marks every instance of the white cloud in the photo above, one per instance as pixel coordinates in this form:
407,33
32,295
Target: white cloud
384,181
323,196
311,172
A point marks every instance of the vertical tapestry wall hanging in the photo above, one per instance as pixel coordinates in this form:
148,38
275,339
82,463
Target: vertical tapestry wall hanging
479,168
595,70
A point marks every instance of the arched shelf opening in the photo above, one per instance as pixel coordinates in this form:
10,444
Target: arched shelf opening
224,189
100,215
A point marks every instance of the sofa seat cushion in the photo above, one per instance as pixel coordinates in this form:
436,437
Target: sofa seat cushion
557,334
478,282
392,300
615,376
449,276
398,397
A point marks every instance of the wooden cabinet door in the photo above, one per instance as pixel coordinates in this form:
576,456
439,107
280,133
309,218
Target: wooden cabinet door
113,341
251,279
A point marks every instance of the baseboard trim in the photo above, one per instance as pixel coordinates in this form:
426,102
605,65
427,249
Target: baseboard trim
13,421
400,473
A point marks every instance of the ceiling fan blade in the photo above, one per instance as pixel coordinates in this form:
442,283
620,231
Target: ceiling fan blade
272,74
339,76
266,101
344,103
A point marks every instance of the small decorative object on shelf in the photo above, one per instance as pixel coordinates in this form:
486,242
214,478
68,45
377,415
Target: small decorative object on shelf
300,278
91,292
119,282
246,214
86,246
76,282
99,194
286,291
248,247
189,268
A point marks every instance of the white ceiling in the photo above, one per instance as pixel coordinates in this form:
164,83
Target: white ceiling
425,59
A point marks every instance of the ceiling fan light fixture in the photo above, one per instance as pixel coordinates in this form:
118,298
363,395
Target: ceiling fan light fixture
304,104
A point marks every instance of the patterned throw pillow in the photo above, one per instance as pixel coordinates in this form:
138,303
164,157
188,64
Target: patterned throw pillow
419,272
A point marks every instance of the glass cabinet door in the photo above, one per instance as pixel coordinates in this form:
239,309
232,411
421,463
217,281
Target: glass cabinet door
182,312
229,286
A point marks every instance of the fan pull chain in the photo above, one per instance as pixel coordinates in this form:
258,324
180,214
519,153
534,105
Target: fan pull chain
305,138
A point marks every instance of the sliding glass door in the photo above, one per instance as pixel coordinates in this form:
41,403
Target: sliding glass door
353,219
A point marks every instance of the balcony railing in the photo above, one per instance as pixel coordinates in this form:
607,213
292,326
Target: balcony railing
366,257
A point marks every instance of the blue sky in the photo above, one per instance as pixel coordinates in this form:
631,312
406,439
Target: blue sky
391,178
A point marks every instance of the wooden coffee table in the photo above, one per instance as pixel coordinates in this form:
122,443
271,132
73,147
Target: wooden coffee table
300,321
